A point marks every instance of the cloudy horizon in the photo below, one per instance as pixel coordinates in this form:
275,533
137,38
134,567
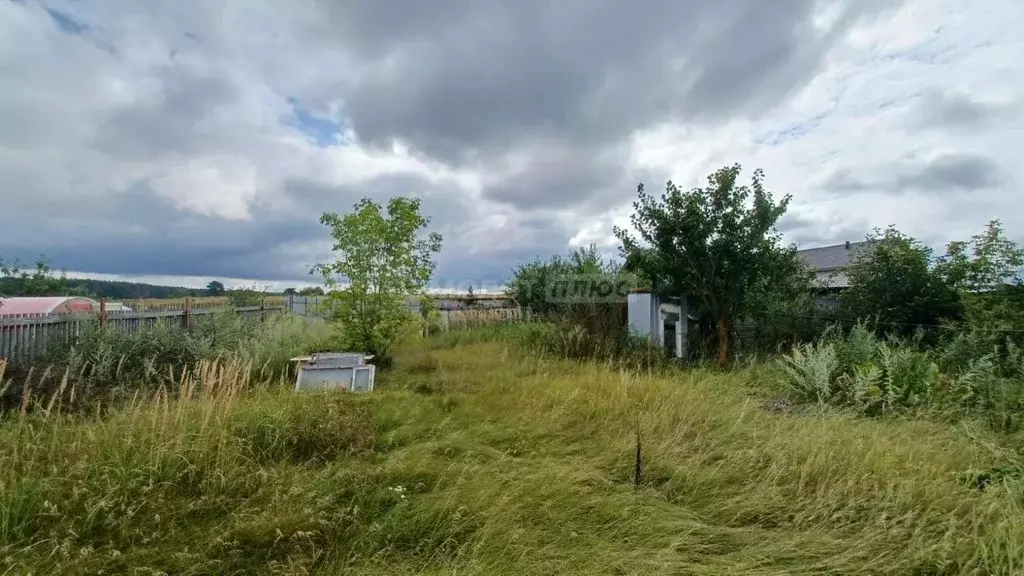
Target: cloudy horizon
190,140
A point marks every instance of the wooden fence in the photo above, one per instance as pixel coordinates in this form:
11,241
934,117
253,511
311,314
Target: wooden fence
24,337
319,306
451,319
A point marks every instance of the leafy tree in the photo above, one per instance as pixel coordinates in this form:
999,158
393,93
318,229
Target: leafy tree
215,288
717,245
533,282
893,282
470,291
289,291
254,295
583,298
781,305
312,291
987,270
42,280
382,259
986,262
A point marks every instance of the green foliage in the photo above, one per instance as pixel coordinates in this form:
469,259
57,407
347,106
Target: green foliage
107,365
382,260
716,244
861,370
215,288
311,291
987,262
479,459
781,309
254,295
810,372
42,280
579,322
893,282
429,316
960,377
987,271
535,285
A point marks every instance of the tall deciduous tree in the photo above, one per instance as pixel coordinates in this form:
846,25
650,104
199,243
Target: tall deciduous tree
717,244
986,262
215,288
382,258
988,272
894,282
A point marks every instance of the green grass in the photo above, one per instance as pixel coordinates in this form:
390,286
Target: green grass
472,457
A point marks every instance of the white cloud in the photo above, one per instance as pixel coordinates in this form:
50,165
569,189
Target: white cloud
855,116
178,117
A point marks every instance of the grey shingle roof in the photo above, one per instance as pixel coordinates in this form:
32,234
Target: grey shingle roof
828,262
829,258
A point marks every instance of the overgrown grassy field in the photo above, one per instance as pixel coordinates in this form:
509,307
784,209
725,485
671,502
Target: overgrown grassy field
474,457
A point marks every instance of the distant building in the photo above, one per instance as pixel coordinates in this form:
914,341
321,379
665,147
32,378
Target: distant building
829,263
46,305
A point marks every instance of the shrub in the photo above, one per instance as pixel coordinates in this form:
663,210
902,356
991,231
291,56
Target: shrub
874,375
894,282
810,371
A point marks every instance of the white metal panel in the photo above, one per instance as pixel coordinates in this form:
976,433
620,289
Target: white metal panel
639,313
362,379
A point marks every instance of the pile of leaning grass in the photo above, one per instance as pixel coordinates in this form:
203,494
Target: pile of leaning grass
477,459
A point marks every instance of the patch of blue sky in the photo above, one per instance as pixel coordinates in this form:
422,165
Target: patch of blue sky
64,17
323,130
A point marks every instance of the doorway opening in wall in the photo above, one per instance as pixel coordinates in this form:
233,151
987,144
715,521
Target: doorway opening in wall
668,328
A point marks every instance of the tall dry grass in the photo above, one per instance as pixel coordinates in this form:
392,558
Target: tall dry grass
109,366
476,458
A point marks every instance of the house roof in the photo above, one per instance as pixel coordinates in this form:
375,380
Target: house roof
829,262
830,258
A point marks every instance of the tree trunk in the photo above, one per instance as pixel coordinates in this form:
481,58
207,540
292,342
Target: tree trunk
723,343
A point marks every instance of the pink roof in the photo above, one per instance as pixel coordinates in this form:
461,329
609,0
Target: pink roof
34,304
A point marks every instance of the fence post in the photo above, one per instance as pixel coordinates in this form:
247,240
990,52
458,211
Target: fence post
186,317
263,309
103,312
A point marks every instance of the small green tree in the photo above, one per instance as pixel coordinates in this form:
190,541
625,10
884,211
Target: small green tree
289,291
893,282
717,245
381,260
988,271
215,288
987,262
312,291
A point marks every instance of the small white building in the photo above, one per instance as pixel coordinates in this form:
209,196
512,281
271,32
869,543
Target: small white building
662,320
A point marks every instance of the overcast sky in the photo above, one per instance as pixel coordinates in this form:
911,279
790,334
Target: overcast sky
165,139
